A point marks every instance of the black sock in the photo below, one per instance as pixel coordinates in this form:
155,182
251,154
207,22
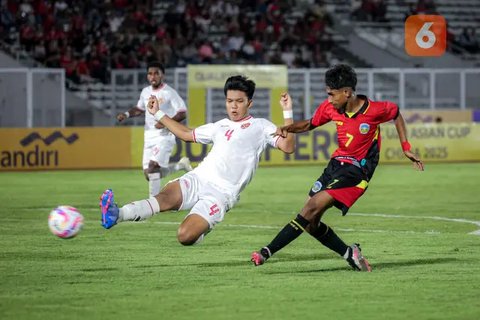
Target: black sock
289,233
329,239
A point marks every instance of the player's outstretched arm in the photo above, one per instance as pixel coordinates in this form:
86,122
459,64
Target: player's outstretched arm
287,142
132,112
402,135
182,132
295,127
179,117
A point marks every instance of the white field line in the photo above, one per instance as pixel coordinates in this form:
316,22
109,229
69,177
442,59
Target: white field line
380,215
457,220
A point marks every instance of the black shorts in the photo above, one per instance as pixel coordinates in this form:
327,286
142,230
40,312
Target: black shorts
345,182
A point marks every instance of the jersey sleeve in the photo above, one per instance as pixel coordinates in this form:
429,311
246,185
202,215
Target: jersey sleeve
321,115
269,130
389,111
177,102
204,134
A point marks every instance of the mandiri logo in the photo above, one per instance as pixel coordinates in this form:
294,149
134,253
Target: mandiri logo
49,139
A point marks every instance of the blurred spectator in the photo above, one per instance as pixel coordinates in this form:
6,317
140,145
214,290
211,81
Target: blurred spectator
287,56
379,11
356,10
411,10
68,62
205,52
82,71
426,7
468,40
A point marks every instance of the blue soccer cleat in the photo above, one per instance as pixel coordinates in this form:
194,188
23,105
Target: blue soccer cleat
109,209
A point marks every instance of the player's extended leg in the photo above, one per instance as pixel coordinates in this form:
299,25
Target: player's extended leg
311,212
170,198
324,233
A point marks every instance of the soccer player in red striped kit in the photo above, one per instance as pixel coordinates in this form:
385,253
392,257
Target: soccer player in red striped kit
351,166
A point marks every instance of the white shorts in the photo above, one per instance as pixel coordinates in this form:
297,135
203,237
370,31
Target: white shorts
158,149
204,199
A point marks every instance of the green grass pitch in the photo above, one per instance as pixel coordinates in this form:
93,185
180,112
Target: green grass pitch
414,227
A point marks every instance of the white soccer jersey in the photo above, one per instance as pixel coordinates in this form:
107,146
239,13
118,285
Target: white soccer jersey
236,151
172,104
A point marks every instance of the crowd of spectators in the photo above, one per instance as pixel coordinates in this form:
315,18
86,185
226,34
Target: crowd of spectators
88,38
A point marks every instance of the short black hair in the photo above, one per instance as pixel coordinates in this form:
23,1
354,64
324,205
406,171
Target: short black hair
341,76
156,64
240,83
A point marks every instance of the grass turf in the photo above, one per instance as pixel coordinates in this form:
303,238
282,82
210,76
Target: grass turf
426,265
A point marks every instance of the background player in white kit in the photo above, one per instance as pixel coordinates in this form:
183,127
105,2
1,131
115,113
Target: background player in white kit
158,140
212,188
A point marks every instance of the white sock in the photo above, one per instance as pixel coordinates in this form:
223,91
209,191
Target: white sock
154,183
172,167
139,210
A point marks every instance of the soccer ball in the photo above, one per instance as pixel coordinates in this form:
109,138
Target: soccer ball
65,222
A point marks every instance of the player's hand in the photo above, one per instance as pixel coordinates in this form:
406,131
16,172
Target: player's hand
286,101
153,104
281,131
417,163
121,117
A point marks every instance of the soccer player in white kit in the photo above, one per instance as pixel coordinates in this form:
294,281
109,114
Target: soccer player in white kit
158,140
212,188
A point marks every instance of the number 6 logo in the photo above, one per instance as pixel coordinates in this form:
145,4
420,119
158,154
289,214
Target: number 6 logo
425,35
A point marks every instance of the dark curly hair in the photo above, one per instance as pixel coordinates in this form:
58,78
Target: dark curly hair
156,64
240,83
341,76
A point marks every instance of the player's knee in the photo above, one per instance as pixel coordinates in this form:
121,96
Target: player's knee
186,237
310,212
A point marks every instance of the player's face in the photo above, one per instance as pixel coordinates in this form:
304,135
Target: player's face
337,97
237,104
155,77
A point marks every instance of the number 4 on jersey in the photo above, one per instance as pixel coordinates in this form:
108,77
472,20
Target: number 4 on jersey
228,134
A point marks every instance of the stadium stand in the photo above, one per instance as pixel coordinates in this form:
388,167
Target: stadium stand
90,39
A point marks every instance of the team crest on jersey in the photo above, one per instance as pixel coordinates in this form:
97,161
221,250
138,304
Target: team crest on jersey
245,125
364,128
317,186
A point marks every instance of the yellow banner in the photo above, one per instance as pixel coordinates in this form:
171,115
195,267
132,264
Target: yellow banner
433,142
110,148
214,76
437,116
449,142
64,148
